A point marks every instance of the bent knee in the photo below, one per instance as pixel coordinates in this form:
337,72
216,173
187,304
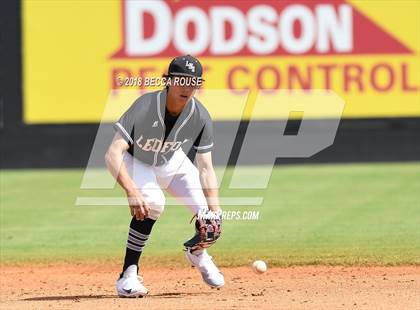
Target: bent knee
156,204
155,211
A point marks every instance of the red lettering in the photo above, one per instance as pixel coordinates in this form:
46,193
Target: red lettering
262,74
374,77
295,75
143,73
326,69
353,75
118,77
404,79
231,77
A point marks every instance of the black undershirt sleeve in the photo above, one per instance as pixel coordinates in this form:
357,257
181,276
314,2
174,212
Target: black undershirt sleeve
205,140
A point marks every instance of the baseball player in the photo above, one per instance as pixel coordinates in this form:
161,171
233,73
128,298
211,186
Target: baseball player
146,156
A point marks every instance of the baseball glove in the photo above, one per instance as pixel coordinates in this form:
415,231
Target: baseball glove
208,227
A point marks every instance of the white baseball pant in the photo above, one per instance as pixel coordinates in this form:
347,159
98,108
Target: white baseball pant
179,177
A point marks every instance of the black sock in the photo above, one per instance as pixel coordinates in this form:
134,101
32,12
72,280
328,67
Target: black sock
137,237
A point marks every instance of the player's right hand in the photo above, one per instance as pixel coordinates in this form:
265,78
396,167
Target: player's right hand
138,205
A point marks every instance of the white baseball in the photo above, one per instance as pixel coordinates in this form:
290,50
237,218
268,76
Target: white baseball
259,266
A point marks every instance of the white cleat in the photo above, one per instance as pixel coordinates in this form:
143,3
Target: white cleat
209,272
130,284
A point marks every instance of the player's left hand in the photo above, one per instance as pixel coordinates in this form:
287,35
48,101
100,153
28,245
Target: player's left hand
208,227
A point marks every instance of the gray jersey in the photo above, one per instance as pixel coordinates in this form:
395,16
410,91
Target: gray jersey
143,127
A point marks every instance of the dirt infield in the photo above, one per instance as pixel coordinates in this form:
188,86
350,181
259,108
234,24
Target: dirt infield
91,286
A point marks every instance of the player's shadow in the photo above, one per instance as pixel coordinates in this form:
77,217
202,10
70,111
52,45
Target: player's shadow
79,297
73,297
177,295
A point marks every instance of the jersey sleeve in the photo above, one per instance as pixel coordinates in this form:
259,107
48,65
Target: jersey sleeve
125,125
205,140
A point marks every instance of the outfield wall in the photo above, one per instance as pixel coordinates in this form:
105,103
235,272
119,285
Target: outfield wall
46,121
356,141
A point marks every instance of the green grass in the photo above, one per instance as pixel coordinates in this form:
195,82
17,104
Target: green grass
359,214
